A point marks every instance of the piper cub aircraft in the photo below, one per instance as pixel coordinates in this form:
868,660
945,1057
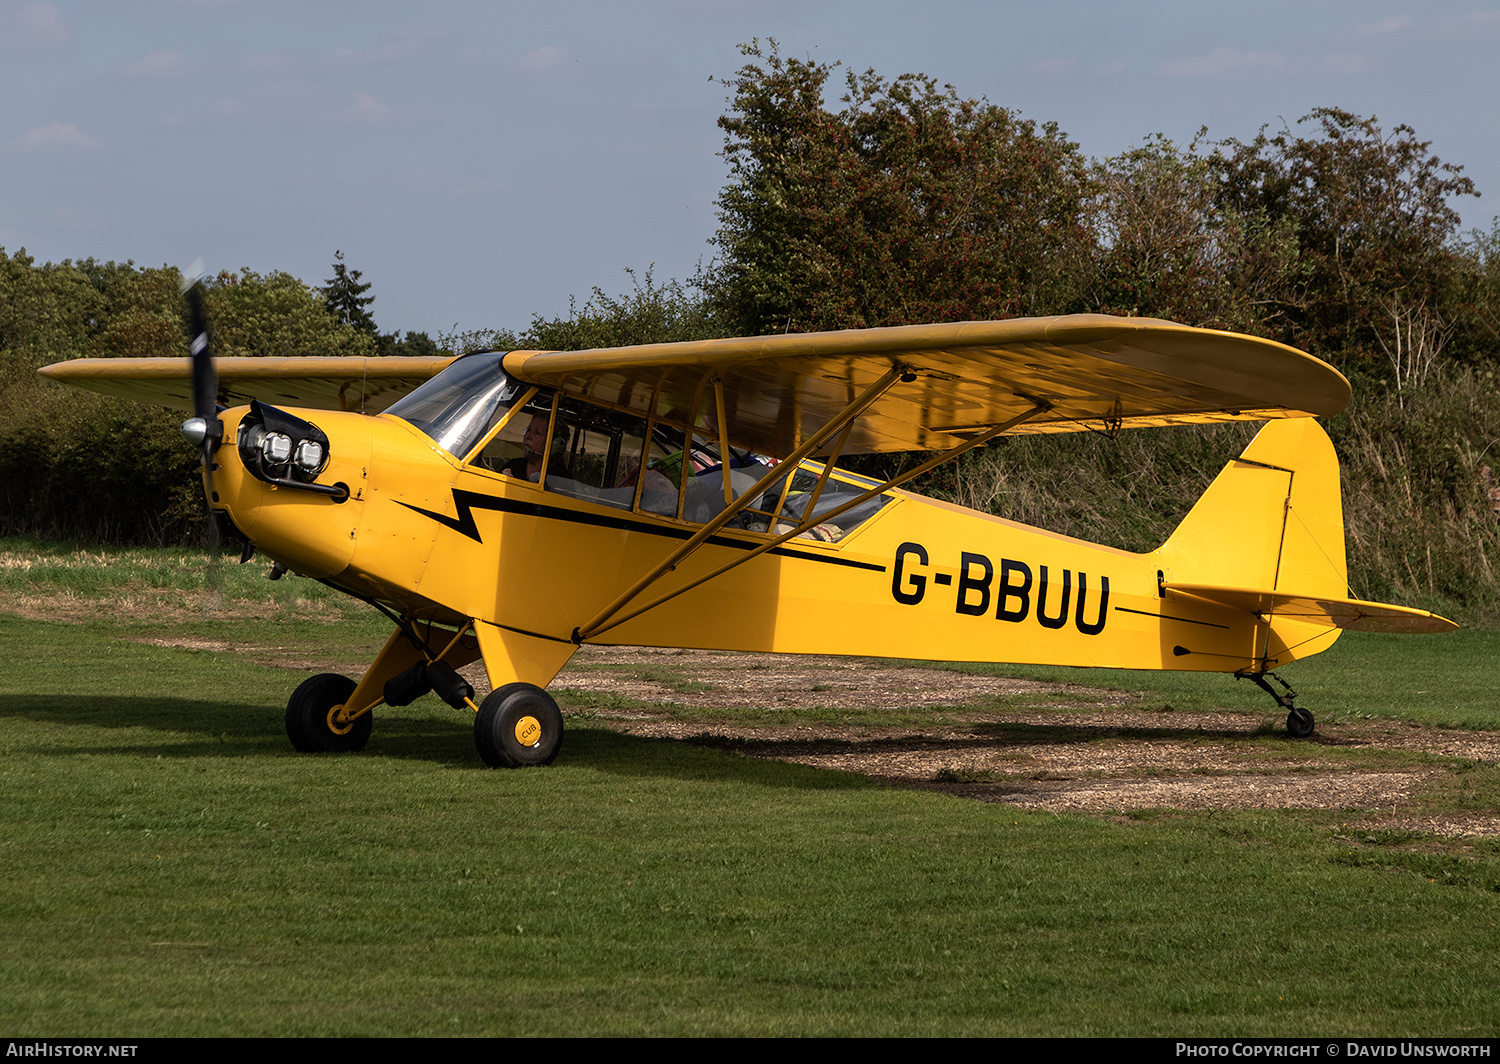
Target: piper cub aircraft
512,506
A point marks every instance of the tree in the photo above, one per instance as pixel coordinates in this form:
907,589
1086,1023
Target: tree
1167,247
1477,294
650,314
276,314
345,297
1373,222
82,465
909,204
413,344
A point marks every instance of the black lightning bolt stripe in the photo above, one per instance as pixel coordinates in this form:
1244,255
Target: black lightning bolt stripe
466,502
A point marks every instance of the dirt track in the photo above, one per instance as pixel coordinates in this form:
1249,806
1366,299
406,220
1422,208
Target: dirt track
1029,744
1060,748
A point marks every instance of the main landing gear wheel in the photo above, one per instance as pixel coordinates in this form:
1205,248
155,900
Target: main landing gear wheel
1299,723
518,725
309,716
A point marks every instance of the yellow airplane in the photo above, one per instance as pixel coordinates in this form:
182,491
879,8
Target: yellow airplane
512,506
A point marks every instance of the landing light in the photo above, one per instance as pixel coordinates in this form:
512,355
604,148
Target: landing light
280,448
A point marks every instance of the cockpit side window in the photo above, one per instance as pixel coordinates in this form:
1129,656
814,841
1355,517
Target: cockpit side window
601,460
804,500
517,449
610,458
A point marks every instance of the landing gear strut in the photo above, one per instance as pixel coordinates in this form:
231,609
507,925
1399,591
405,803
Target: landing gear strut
1299,721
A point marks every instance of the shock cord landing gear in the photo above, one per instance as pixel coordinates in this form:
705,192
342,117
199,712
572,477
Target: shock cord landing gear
517,725
1299,722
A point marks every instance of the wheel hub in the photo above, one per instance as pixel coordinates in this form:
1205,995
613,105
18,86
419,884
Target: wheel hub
528,730
338,723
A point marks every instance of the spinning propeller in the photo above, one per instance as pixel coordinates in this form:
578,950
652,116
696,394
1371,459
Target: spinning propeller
204,428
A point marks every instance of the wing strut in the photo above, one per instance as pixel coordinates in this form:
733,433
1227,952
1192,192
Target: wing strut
610,616
782,469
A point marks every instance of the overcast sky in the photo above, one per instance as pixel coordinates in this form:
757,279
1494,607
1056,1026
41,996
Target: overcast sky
482,161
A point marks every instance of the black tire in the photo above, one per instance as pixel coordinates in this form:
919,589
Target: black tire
294,729
307,723
507,719
1300,723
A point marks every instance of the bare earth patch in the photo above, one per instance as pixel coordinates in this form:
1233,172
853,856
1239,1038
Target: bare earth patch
161,606
1055,747
290,656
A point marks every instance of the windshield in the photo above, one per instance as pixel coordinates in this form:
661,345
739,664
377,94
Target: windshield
460,404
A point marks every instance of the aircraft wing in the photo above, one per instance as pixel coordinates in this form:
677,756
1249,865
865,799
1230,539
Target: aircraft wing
1354,615
1089,371
327,383
1092,371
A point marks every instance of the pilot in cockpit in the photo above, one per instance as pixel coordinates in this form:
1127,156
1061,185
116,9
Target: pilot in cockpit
528,464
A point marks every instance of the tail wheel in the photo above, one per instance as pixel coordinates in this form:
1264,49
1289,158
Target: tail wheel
1299,723
518,725
310,721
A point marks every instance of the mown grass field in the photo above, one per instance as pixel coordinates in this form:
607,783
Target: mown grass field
172,867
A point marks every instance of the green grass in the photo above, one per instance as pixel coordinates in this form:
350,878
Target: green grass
168,866
153,587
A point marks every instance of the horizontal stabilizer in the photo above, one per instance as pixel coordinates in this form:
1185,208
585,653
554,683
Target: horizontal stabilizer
1351,614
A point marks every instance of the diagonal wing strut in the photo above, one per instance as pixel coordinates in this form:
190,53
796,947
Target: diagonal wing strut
612,614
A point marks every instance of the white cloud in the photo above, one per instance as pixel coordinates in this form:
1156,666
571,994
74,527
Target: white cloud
1472,28
1051,67
367,109
268,65
31,27
160,65
544,60
1386,26
1228,64
54,137
307,103
408,42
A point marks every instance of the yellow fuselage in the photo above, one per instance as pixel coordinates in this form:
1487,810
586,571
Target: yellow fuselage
920,579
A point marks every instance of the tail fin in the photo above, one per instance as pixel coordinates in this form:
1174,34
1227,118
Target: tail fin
1267,537
1273,519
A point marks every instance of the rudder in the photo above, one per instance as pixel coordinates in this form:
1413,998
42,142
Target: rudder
1272,521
